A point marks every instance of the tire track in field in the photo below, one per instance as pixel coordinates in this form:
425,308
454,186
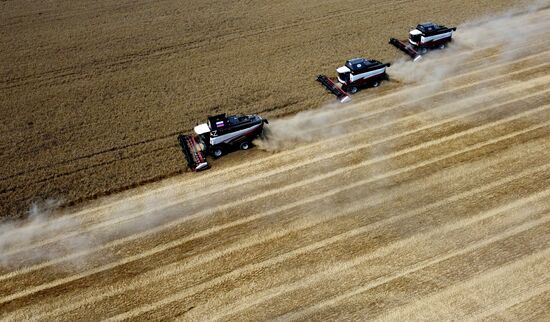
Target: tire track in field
305,313
118,242
179,273
523,297
163,247
154,276
299,164
507,90
424,305
232,283
332,302
344,266
167,50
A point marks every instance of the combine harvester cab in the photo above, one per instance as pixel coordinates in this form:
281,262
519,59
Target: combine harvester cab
424,37
355,74
219,135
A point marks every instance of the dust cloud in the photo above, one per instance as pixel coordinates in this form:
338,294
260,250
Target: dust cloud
49,233
39,225
287,132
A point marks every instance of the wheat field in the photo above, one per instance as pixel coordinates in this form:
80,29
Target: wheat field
425,199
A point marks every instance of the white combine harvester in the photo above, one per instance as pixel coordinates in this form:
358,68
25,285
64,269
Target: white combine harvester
424,37
355,74
219,135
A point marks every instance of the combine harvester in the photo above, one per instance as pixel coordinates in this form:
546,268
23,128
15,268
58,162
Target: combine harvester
218,136
424,37
355,74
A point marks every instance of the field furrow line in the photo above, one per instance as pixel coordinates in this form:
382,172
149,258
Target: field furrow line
414,268
87,167
223,38
345,266
167,272
162,137
167,50
499,273
524,297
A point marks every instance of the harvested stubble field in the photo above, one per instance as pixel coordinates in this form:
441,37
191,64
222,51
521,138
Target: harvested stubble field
428,201
93,93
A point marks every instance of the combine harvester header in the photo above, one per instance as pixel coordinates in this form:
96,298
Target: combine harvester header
342,96
193,151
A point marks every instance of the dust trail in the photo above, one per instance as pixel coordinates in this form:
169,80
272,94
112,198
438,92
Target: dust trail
38,225
18,239
287,132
